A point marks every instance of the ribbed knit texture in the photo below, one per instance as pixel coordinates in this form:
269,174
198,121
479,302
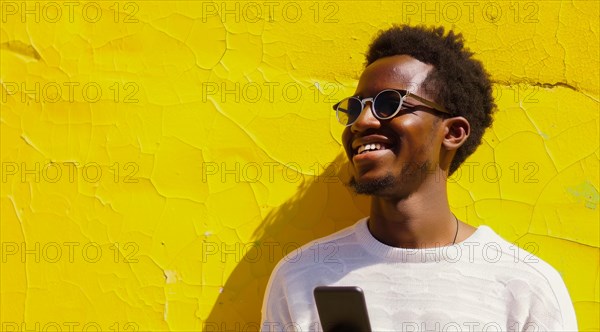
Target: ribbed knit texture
481,284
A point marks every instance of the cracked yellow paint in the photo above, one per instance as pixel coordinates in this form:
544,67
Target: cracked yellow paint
159,159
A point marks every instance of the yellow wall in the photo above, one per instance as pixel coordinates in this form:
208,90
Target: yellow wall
193,171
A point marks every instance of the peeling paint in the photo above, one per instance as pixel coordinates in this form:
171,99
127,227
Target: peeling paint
21,48
587,192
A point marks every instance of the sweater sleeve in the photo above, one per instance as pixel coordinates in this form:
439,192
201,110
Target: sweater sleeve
553,310
275,311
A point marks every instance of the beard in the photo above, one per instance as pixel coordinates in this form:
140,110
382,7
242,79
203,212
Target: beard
390,183
373,187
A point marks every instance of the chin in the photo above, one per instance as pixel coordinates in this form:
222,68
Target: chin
374,186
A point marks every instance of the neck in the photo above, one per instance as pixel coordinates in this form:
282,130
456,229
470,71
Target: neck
421,220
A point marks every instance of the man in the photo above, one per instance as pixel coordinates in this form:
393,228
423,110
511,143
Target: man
420,109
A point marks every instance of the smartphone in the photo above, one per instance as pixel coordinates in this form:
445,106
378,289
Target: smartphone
342,309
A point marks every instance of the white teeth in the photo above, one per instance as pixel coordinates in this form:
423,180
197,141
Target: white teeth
370,147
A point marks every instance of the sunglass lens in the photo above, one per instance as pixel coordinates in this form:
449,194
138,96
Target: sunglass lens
348,111
387,103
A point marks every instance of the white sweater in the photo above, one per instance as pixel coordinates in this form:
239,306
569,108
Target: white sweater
481,284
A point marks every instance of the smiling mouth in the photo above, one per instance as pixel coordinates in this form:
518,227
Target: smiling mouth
373,150
366,148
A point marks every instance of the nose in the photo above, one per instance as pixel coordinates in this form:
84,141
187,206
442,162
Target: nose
366,119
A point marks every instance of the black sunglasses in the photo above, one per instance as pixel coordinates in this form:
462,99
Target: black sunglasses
385,105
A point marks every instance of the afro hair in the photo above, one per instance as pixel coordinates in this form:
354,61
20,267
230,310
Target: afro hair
457,81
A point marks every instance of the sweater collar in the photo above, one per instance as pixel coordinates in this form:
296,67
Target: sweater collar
452,253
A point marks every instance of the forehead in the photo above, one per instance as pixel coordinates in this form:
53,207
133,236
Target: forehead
394,72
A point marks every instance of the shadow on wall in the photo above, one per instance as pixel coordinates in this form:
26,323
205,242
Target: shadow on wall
322,206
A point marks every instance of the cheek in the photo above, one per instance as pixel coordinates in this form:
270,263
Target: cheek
415,136
411,129
346,136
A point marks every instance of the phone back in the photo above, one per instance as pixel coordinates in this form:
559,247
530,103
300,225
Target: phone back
342,309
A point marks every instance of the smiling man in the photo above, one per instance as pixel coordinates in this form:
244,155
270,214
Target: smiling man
420,109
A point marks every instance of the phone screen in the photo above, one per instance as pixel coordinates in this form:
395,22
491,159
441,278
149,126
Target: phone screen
342,309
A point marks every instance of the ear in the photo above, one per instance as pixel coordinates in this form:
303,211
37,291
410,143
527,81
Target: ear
456,132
